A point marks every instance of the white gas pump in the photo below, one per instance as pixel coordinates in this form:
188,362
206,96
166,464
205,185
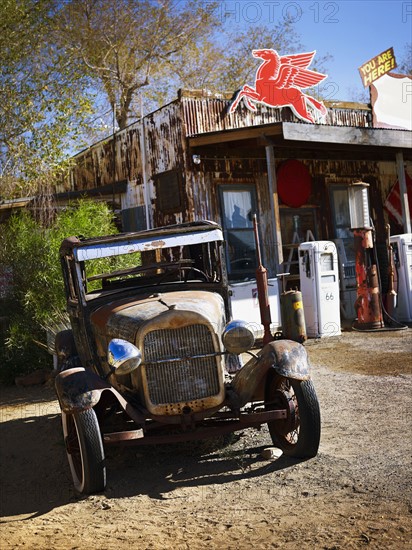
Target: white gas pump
319,285
402,253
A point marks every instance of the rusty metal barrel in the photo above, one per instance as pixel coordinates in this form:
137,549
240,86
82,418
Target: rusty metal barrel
293,318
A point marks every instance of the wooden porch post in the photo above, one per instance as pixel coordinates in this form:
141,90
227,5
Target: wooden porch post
406,217
274,205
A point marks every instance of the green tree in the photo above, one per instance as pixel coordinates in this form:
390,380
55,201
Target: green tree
36,301
122,46
405,60
40,116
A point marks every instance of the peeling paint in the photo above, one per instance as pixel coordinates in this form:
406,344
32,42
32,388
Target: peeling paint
165,137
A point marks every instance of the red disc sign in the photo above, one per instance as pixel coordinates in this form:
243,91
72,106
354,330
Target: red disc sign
294,183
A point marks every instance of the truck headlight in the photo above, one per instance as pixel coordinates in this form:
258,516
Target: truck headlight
238,337
122,356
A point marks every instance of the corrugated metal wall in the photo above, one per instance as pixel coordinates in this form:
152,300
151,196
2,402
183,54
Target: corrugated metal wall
120,158
166,149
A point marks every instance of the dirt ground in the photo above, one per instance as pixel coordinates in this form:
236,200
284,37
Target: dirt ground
356,493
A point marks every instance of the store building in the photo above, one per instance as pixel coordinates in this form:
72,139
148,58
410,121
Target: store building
192,160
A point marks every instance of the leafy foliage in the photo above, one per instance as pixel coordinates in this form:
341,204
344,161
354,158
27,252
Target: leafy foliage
36,300
122,45
75,70
40,116
405,60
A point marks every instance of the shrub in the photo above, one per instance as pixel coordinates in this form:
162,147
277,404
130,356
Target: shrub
36,300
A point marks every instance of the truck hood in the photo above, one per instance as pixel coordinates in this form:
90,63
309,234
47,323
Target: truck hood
128,318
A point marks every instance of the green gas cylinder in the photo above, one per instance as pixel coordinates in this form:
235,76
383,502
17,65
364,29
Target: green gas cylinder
293,318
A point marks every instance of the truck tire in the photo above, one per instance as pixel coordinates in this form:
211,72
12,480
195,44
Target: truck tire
85,453
299,434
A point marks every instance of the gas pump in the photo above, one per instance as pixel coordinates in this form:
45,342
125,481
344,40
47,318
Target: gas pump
319,284
402,253
368,302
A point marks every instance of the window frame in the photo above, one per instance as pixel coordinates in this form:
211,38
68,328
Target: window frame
250,262
164,204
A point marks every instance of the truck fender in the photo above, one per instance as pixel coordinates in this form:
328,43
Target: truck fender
79,389
285,357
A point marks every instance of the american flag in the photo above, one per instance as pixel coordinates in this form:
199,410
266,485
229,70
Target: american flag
393,202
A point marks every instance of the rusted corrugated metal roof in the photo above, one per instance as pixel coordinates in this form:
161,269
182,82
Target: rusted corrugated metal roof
204,114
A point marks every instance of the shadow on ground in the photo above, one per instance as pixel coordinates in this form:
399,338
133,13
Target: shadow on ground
35,476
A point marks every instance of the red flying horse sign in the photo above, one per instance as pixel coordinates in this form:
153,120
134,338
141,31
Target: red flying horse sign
278,84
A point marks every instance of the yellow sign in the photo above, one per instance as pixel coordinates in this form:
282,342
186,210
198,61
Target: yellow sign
377,67
297,305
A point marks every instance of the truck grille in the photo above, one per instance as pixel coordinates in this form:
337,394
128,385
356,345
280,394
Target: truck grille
186,379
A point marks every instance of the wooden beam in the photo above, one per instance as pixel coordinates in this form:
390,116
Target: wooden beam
350,105
344,135
239,134
115,188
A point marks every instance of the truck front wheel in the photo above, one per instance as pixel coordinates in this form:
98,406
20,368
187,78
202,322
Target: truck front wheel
85,453
299,434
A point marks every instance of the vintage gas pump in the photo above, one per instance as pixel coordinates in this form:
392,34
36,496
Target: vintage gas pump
402,249
319,283
368,301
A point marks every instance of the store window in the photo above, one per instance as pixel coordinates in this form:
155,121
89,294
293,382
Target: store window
238,204
298,224
168,192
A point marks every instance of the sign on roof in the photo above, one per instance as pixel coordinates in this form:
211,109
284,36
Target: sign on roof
279,82
391,98
377,67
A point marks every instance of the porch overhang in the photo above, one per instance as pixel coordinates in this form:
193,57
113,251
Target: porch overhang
238,134
332,140
15,203
309,141
370,137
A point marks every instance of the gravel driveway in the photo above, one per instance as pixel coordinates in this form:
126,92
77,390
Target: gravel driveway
356,493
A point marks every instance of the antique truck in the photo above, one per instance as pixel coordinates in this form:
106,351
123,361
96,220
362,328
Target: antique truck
152,355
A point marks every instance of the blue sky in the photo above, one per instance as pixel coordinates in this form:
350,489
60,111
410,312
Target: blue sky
351,31
354,32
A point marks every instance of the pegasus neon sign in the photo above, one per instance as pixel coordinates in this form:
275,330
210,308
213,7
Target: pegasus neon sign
279,82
